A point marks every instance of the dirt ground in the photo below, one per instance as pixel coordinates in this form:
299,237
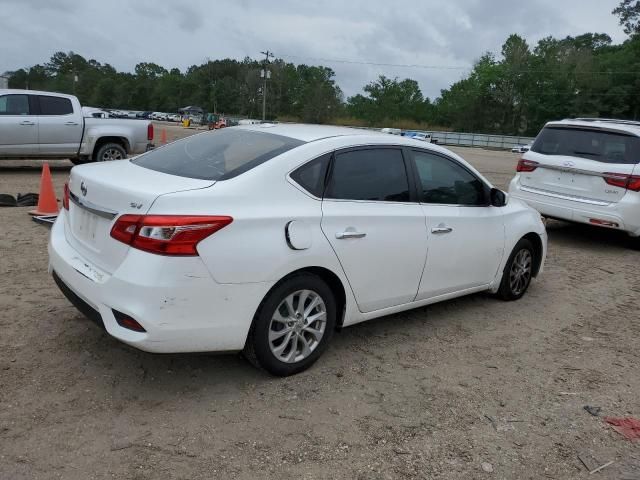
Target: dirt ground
473,388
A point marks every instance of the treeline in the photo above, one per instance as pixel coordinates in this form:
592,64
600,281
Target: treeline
513,92
225,86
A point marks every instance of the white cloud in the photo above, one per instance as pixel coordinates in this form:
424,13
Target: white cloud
429,32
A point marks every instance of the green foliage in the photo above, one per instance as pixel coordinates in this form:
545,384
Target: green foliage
520,92
225,86
629,13
515,93
389,99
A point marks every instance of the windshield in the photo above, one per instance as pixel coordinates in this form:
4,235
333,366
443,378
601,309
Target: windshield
217,155
599,145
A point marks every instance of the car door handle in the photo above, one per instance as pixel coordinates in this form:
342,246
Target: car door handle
349,234
441,229
27,123
72,124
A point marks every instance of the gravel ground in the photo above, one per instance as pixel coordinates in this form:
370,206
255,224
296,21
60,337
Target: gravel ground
470,388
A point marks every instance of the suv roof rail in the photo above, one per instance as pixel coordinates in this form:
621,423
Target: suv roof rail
608,120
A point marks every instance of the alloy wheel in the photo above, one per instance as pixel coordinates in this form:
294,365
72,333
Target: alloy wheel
297,326
520,273
112,154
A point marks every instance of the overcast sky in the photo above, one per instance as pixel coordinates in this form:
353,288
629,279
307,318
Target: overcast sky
449,35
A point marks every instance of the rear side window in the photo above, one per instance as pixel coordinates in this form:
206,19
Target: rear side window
217,155
376,174
445,182
311,176
598,145
54,105
14,105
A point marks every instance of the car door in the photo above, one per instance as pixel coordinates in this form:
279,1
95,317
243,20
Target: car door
466,234
60,128
18,126
377,232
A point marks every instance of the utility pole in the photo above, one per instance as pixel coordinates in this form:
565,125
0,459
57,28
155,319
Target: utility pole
265,74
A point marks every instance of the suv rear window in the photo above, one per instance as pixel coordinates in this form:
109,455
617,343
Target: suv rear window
217,155
598,145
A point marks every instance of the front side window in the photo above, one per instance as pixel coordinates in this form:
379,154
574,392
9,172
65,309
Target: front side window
54,105
599,145
14,105
217,155
445,182
374,174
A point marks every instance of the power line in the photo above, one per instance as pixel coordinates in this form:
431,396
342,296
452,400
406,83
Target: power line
378,64
447,67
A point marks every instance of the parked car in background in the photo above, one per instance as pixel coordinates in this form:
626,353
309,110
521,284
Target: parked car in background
52,125
422,136
174,117
392,131
268,238
249,121
521,148
585,171
143,115
95,112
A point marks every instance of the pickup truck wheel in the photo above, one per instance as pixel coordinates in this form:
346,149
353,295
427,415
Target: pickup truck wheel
110,151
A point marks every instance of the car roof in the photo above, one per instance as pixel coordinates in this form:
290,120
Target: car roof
312,133
14,91
308,133
625,126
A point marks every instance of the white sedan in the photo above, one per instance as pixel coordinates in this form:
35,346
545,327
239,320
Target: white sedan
269,238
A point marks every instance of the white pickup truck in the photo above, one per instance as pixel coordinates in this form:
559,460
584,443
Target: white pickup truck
52,125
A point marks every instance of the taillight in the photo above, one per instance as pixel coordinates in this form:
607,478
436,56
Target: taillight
526,165
167,234
630,182
65,196
150,131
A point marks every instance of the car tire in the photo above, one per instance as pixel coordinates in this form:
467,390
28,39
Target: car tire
518,271
280,340
110,151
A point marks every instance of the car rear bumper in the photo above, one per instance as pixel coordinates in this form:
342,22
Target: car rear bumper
175,299
624,215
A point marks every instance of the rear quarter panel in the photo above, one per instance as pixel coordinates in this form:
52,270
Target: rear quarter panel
133,131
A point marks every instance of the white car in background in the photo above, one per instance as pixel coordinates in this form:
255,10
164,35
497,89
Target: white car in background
521,148
268,238
585,171
421,136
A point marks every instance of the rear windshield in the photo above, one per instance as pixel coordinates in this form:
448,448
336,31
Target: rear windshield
217,155
598,145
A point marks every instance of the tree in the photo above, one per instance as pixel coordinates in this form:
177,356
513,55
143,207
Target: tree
629,13
389,99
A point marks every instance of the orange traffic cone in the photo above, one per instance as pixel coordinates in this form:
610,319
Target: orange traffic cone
47,203
163,136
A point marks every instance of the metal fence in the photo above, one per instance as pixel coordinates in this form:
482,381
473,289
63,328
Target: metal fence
502,142
480,140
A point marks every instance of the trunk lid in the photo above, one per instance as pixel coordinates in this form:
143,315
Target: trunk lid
101,192
574,160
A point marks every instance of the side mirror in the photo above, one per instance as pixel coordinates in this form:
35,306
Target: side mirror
498,198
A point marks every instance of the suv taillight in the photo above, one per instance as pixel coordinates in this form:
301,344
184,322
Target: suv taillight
65,196
630,182
526,165
167,234
150,131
